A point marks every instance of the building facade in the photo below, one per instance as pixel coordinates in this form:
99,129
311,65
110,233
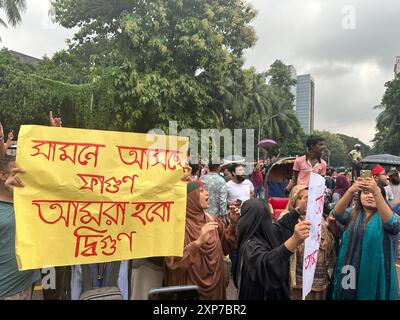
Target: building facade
397,66
25,58
305,101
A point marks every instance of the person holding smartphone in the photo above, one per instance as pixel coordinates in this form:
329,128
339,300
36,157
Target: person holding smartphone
366,269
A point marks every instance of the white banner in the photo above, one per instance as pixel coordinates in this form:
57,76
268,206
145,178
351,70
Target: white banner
315,208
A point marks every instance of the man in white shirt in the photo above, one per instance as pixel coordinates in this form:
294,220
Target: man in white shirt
239,188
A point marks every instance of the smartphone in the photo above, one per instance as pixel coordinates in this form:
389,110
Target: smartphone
175,293
365,174
238,203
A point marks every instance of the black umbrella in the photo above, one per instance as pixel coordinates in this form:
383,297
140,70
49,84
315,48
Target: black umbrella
382,159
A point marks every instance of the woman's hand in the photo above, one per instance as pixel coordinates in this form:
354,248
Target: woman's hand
1,132
10,137
188,174
205,233
370,185
356,186
301,232
13,181
54,122
234,213
331,218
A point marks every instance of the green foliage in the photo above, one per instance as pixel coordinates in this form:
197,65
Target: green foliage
336,150
157,48
350,142
280,77
251,102
135,65
12,9
387,139
28,94
339,146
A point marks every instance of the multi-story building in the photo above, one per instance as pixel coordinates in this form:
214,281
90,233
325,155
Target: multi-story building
305,97
397,66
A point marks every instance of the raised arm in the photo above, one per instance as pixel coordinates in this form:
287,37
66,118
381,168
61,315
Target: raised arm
191,249
228,233
54,122
350,156
10,139
382,206
2,145
279,154
13,181
295,176
345,201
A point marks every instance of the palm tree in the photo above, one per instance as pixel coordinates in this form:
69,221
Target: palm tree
388,121
227,107
282,119
13,9
257,101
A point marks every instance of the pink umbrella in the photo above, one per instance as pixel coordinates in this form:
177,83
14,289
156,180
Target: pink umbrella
266,143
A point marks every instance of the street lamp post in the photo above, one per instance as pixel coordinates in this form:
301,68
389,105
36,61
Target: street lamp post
260,127
329,155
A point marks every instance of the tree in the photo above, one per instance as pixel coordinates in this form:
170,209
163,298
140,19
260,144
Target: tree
380,141
335,152
387,139
282,121
280,77
350,142
13,9
160,46
283,125
29,92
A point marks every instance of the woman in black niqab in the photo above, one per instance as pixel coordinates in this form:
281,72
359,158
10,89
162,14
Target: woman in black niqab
263,262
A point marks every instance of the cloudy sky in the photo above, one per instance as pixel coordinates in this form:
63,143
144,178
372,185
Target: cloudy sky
348,46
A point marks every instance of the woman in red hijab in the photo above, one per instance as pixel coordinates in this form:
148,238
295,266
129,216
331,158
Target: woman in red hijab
206,243
342,185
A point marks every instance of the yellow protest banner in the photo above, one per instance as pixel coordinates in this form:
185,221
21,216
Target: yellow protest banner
98,196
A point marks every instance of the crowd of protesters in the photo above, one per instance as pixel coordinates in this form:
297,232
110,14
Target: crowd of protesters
230,233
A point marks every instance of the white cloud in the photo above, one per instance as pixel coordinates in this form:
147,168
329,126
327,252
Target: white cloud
36,36
350,66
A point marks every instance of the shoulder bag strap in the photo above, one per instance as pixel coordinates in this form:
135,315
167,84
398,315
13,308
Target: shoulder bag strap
86,277
113,282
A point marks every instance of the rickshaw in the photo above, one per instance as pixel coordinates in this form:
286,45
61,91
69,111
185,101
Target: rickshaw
276,180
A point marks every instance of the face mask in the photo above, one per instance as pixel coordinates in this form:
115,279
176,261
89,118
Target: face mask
241,178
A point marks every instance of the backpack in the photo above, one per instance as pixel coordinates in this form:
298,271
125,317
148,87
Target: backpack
108,292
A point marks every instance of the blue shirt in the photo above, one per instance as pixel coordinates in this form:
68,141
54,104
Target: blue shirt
12,281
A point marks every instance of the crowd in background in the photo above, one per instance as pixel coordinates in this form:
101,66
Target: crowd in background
232,234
